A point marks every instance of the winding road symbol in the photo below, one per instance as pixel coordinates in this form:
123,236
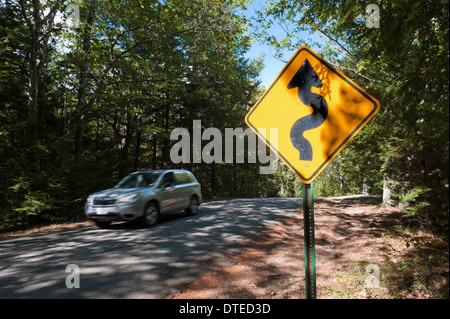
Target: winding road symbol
316,111
304,80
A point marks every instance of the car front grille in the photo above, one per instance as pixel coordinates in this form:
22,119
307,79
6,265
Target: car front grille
104,201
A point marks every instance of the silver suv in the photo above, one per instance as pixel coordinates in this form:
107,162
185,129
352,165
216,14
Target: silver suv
145,195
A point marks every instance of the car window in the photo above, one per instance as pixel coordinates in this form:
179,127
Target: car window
149,179
190,177
184,178
138,180
168,178
180,178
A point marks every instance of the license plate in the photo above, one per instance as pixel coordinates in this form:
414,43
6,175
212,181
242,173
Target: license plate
102,210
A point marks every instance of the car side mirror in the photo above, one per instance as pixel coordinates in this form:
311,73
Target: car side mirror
167,185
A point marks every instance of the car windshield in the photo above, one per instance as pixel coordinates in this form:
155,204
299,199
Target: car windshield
138,180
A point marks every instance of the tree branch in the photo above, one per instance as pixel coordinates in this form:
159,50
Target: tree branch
24,14
339,66
336,44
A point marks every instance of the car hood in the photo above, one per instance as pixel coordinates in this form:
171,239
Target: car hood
117,192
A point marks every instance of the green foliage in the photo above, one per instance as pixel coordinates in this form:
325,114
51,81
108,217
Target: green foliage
405,65
112,90
284,183
109,95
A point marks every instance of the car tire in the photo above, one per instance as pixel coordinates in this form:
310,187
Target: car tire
193,206
151,214
102,224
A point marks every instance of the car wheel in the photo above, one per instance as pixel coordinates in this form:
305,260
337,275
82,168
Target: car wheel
193,206
102,224
151,214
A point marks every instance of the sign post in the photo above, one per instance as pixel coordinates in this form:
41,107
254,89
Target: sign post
317,111
310,249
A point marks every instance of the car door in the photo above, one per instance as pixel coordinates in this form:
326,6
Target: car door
167,193
182,189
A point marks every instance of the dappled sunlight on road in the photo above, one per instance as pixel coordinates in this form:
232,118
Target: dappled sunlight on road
128,261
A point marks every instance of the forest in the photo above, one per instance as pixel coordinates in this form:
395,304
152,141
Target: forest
91,90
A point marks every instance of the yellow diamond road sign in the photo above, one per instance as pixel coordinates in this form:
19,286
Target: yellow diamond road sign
316,109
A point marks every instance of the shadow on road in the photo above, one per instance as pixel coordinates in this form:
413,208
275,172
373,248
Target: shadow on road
137,224
129,261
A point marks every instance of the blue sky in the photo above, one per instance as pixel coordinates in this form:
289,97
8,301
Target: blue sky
272,66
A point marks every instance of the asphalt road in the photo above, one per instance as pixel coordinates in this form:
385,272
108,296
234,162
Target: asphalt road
128,261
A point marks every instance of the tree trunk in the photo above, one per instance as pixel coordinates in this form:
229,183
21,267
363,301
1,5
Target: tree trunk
137,151
365,190
155,149
341,184
82,84
340,177
33,80
386,192
213,178
40,32
165,149
124,146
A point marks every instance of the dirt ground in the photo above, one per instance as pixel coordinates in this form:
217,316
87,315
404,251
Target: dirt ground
350,234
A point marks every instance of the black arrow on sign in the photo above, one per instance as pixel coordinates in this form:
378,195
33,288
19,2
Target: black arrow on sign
304,80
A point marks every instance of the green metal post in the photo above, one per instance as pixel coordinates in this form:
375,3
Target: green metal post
310,249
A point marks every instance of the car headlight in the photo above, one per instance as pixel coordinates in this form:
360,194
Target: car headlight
129,198
90,199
